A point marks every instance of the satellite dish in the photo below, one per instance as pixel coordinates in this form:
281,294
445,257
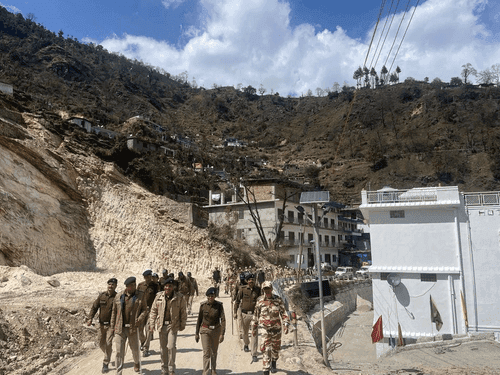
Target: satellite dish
394,280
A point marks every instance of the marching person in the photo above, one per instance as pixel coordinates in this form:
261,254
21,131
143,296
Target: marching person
186,289
194,283
104,303
149,289
211,325
216,279
270,314
164,276
129,311
168,315
244,304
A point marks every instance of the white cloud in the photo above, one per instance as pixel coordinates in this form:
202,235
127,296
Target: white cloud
172,3
11,8
251,42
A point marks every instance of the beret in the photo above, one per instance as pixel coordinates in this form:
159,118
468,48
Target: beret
267,284
168,281
130,280
211,290
113,281
171,276
181,274
147,273
155,275
250,276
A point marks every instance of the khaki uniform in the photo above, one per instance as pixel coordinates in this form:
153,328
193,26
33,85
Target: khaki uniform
244,306
168,316
194,283
104,303
149,293
269,314
211,325
127,310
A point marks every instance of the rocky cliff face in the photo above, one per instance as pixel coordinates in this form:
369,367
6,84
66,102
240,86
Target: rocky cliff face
62,209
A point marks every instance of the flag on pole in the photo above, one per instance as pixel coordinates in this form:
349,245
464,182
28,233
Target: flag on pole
435,316
401,340
377,331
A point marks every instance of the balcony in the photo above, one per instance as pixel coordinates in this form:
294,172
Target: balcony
411,197
491,198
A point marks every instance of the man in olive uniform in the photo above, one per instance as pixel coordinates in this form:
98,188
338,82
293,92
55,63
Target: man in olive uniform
245,301
270,314
149,289
164,276
211,324
194,283
168,315
104,303
129,312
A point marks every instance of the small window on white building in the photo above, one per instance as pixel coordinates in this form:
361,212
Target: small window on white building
428,277
397,214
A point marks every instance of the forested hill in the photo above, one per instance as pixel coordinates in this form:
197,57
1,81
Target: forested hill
405,135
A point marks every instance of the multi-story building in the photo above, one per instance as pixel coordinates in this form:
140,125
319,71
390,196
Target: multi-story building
435,256
275,202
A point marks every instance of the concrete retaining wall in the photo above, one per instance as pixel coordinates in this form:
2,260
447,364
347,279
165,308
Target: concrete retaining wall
354,295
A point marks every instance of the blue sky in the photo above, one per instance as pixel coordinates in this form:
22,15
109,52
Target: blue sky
288,46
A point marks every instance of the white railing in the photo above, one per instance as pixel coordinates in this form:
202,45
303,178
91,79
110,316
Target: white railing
482,199
400,196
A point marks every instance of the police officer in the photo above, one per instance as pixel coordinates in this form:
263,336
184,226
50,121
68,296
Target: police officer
194,283
245,301
149,289
168,315
186,289
270,314
211,325
129,312
104,303
164,276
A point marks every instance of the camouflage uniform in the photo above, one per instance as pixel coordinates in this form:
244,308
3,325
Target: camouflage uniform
269,314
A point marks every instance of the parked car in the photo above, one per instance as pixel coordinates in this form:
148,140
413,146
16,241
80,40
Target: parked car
344,273
363,273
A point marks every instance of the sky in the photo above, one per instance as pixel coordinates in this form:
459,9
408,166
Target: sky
287,46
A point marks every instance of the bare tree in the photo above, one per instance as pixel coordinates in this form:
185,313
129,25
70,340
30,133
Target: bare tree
262,90
486,77
468,71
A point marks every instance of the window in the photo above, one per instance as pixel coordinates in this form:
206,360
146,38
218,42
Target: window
428,277
320,238
333,240
300,218
241,214
334,258
399,214
291,237
239,233
280,214
291,216
328,258
327,240
326,222
340,238
310,237
282,235
332,223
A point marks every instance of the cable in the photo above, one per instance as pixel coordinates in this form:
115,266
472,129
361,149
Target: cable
382,34
404,34
397,32
387,34
374,31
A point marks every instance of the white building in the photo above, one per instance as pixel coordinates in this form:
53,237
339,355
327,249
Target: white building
296,231
6,88
438,242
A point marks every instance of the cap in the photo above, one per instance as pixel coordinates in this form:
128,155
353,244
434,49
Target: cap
155,275
112,281
148,272
130,280
189,274
171,276
181,274
250,276
211,290
164,271
267,284
168,281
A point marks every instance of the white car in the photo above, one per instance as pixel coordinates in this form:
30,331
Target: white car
363,273
344,273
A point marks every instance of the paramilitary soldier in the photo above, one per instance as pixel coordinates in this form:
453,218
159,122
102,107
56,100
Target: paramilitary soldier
149,289
129,312
168,315
270,314
245,300
194,283
104,303
211,325
186,289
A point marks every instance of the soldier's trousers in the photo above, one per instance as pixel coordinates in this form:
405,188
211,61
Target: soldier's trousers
144,334
210,342
245,326
189,303
103,344
168,349
133,343
271,345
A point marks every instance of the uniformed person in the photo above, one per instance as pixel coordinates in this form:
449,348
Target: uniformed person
129,312
168,316
104,303
186,289
211,325
270,314
149,288
164,276
194,283
244,305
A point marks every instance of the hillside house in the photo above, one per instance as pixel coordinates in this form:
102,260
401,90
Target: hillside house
99,130
434,243
6,88
138,145
233,142
296,232
82,123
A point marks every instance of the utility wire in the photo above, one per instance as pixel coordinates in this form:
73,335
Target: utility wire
382,34
404,34
375,31
387,34
397,32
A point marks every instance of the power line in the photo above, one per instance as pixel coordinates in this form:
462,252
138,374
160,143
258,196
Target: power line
404,34
387,34
382,34
397,32
374,31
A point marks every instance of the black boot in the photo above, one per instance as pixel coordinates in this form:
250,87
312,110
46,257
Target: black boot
105,368
273,366
265,372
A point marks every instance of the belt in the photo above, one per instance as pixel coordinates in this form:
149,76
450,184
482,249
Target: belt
166,322
209,327
105,323
246,312
126,325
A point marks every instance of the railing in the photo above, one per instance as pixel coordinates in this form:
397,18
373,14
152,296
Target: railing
482,199
396,196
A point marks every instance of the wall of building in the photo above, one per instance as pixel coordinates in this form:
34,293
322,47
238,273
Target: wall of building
6,88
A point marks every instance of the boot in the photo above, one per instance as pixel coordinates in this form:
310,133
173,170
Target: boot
265,372
105,368
246,348
273,366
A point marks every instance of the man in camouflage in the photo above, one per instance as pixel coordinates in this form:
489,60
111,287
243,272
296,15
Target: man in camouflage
104,303
270,314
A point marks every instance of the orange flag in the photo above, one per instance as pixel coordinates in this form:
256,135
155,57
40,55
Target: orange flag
377,332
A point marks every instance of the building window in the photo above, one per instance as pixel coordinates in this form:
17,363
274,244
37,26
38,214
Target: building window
320,238
399,214
327,240
334,258
340,238
300,218
333,240
239,233
291,217
428,277
383,275
280,214
332,223
241,214
327,258
310,237
282,235
291,237
326,222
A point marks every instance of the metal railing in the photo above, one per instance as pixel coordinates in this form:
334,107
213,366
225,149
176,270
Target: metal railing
482,199
399,196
